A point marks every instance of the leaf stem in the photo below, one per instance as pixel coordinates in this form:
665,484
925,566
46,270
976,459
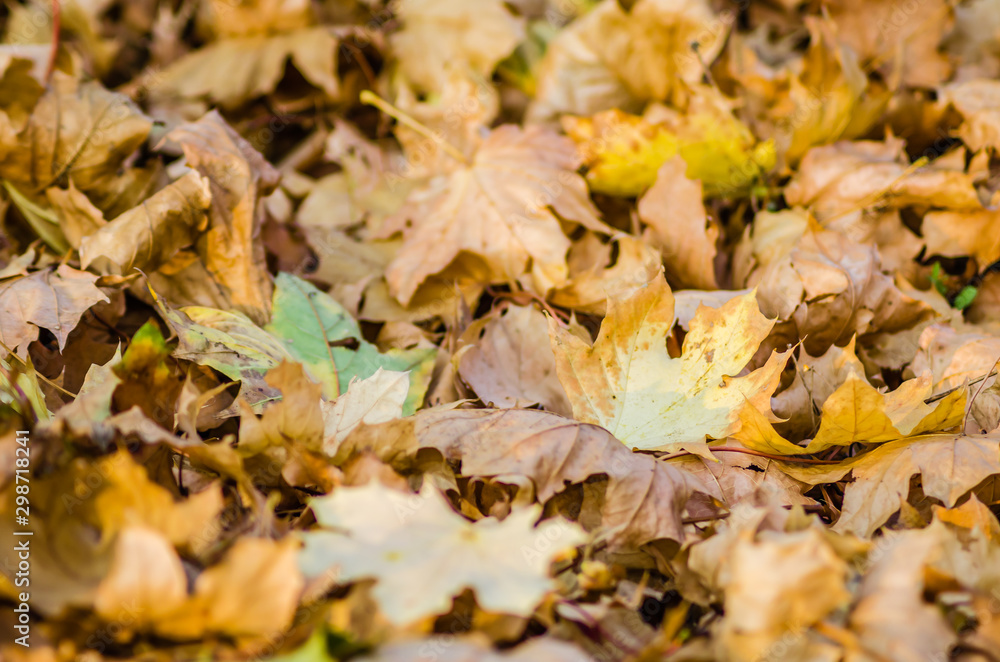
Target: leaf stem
372,99
748,451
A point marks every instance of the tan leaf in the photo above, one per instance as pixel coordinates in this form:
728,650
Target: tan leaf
147,236
52,300
891,617
251,592
77,132
901,42
373,400
239,176
422,553
846,176
978,101
232,71
679,226
509,363
593,280
442,34
146,580
644,498
776,587
617,57
500,207
949,467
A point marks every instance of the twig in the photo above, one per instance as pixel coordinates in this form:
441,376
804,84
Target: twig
942,394
965,419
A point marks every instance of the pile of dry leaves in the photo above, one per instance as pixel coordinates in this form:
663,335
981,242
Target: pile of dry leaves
458,330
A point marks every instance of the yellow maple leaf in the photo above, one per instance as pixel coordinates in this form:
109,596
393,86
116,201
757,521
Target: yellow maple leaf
627,383
856,411
623,152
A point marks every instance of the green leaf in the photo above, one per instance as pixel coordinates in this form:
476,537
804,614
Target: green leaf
307,326
317,331
43,221
965,297
937,281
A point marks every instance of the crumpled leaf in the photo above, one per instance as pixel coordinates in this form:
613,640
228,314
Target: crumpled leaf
891,616
228,342
238,176
622,152
627,383
147,236
680,227
837,179
499,208
978,101
508,362
828,286
778,586
77,132
397,538
593,279
949,466
902,44
54,300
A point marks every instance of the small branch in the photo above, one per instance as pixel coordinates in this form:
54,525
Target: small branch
965,419
942,394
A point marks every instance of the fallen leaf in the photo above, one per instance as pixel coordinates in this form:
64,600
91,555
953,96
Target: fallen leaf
442,34
506,362
613,56
514,185
317,331
390,536
644,498
234,70
949,466
238,177
53,300
680,227
148,236
627,383
77,132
